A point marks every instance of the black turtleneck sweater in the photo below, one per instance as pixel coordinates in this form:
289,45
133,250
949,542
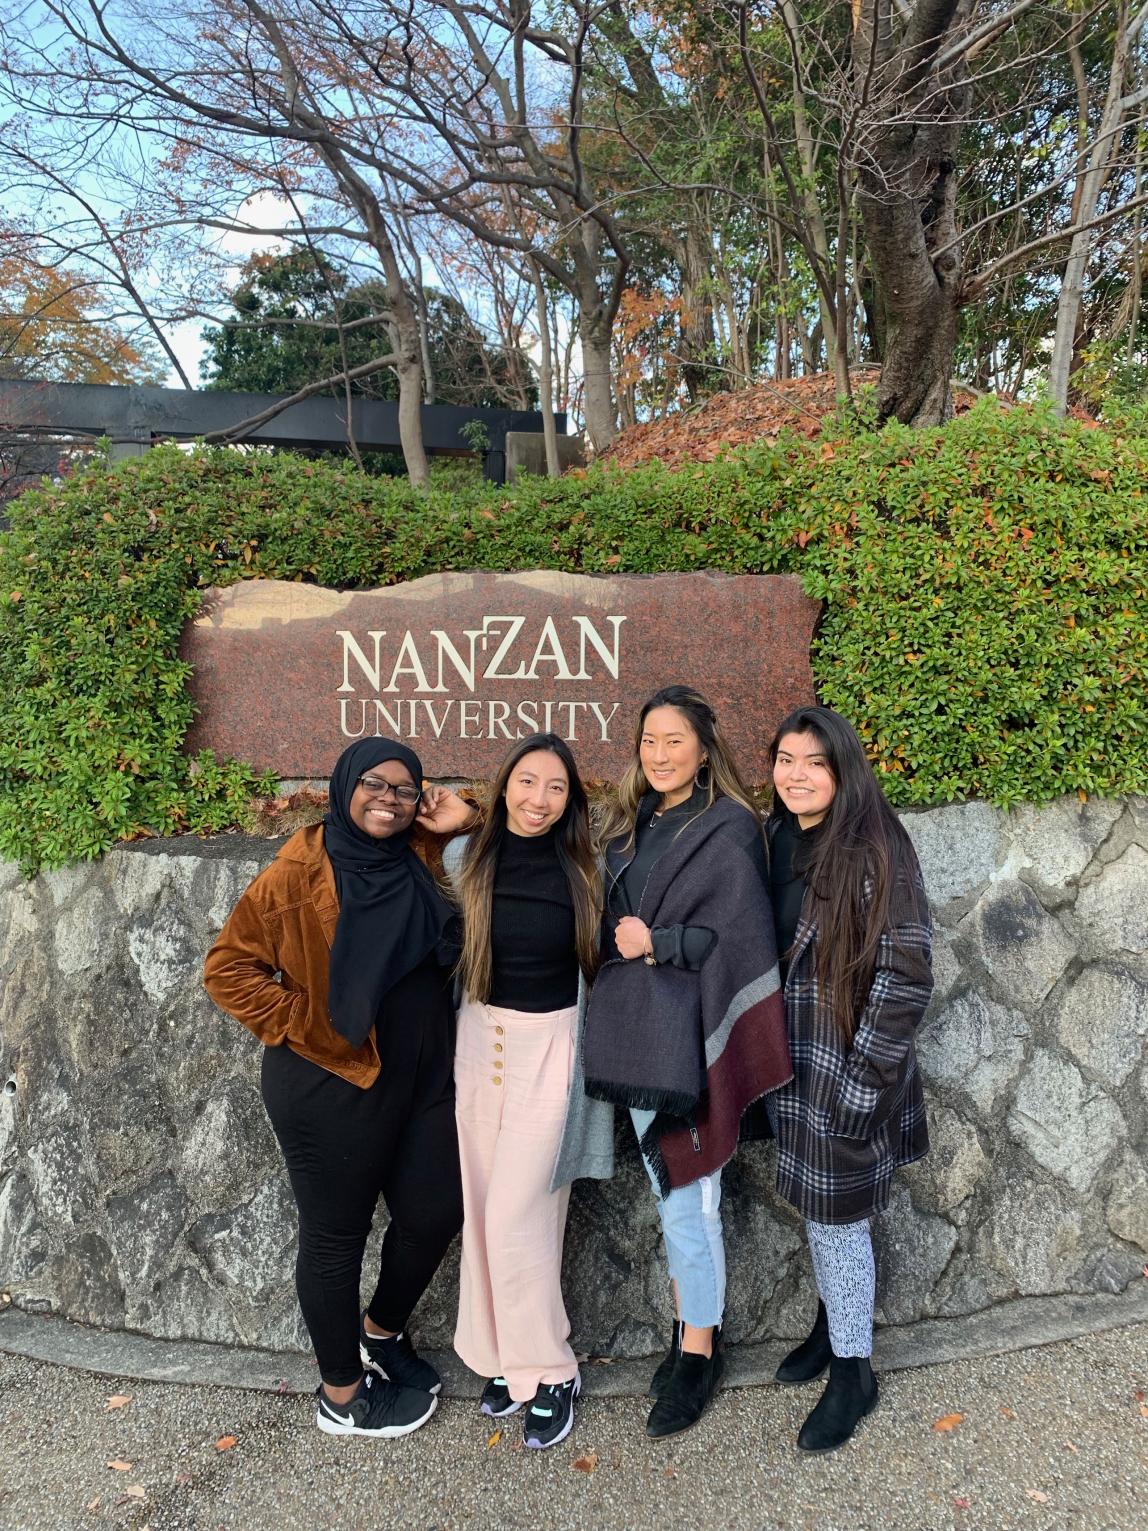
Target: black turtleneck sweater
532,937
789,851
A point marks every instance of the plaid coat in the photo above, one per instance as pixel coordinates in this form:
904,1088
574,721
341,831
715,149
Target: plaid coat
852,1114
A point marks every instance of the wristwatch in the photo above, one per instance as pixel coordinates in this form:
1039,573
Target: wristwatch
650,960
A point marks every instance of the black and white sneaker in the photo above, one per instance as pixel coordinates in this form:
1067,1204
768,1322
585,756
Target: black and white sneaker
496,1399
551,1416
396,1359
381,1409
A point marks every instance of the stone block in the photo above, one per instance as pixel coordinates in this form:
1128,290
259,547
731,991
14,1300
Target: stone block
1034,1239
974,1046
526,453
959,848
1113,907
1057,841
913,1248
1127,1206
250,1249
1023,948
82,936
164,953
1103,1020
144,1228
60,1174
226,1147
949,1174
1067,1125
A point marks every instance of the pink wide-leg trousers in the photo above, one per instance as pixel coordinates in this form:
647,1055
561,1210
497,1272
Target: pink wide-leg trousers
512,1076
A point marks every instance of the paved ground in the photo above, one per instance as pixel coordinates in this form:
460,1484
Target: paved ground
1049,1438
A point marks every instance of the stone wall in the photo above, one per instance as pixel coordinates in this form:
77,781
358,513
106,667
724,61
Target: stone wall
140,1185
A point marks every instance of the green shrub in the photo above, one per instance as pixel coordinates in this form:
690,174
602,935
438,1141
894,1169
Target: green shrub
984,584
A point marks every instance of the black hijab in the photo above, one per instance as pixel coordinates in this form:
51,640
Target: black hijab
391,915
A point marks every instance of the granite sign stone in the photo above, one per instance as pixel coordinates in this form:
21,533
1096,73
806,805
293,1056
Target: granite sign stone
285,675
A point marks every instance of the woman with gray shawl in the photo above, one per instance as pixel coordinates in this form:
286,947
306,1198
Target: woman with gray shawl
685,1025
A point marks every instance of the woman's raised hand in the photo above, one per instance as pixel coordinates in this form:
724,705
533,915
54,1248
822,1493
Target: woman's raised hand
632,937
443,812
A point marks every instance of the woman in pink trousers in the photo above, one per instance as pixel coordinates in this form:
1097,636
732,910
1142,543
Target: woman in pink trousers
529,887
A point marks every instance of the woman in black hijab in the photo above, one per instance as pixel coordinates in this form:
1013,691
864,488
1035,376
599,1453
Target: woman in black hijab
339,957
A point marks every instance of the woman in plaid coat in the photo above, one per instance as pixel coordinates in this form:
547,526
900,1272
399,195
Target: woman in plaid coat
855,937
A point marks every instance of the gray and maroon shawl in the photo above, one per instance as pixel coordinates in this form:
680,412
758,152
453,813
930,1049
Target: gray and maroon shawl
696,1047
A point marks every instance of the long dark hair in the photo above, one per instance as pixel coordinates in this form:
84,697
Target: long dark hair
575,856
855,862
722,776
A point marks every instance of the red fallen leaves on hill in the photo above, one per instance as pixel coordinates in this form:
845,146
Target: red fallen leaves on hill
700,433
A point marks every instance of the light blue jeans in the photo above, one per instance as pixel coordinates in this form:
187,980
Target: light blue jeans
691,1227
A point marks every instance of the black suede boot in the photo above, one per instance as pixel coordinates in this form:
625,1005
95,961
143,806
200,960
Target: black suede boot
811,1357
660,1380
692,1383
849,1395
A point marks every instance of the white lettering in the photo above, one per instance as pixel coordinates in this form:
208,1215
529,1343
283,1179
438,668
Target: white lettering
498,712
531,721
394,722
446,647
352,650
435,724
550,650
465,718
343,719
609,658
604,721
413,665
491,671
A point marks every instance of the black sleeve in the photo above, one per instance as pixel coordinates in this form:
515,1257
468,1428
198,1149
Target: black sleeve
682,946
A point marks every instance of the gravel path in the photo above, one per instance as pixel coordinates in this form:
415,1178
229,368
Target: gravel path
1055,1437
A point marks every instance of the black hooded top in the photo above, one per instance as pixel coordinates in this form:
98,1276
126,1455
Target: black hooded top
391,914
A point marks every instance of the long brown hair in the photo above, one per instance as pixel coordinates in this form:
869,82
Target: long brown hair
575,856
722,776
856,861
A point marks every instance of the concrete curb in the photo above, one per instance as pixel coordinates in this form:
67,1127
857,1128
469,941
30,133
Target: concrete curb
1010,1326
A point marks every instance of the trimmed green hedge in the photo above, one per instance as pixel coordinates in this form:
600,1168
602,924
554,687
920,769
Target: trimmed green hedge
985,622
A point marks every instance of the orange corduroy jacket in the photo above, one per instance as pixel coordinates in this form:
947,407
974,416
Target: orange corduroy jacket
270,964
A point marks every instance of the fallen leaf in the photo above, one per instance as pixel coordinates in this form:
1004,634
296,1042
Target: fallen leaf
494,1438
225,1442
585,1464
961,1501
603,1360
1140,1395
1073,1448
136,1491
183,1477
117,1400
671,1471
93,1504
516,1444
946,1423
1007,1412
1037,1494
117,1466
1144,1411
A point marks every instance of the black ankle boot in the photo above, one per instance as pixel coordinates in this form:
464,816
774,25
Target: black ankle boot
811,1357
660,1380
692,1383
849,1395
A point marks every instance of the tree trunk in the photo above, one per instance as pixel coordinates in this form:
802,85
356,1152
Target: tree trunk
907,188
546,375
598,393
1084,210
697,317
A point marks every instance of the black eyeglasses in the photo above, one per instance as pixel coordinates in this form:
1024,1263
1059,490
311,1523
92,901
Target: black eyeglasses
378,787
